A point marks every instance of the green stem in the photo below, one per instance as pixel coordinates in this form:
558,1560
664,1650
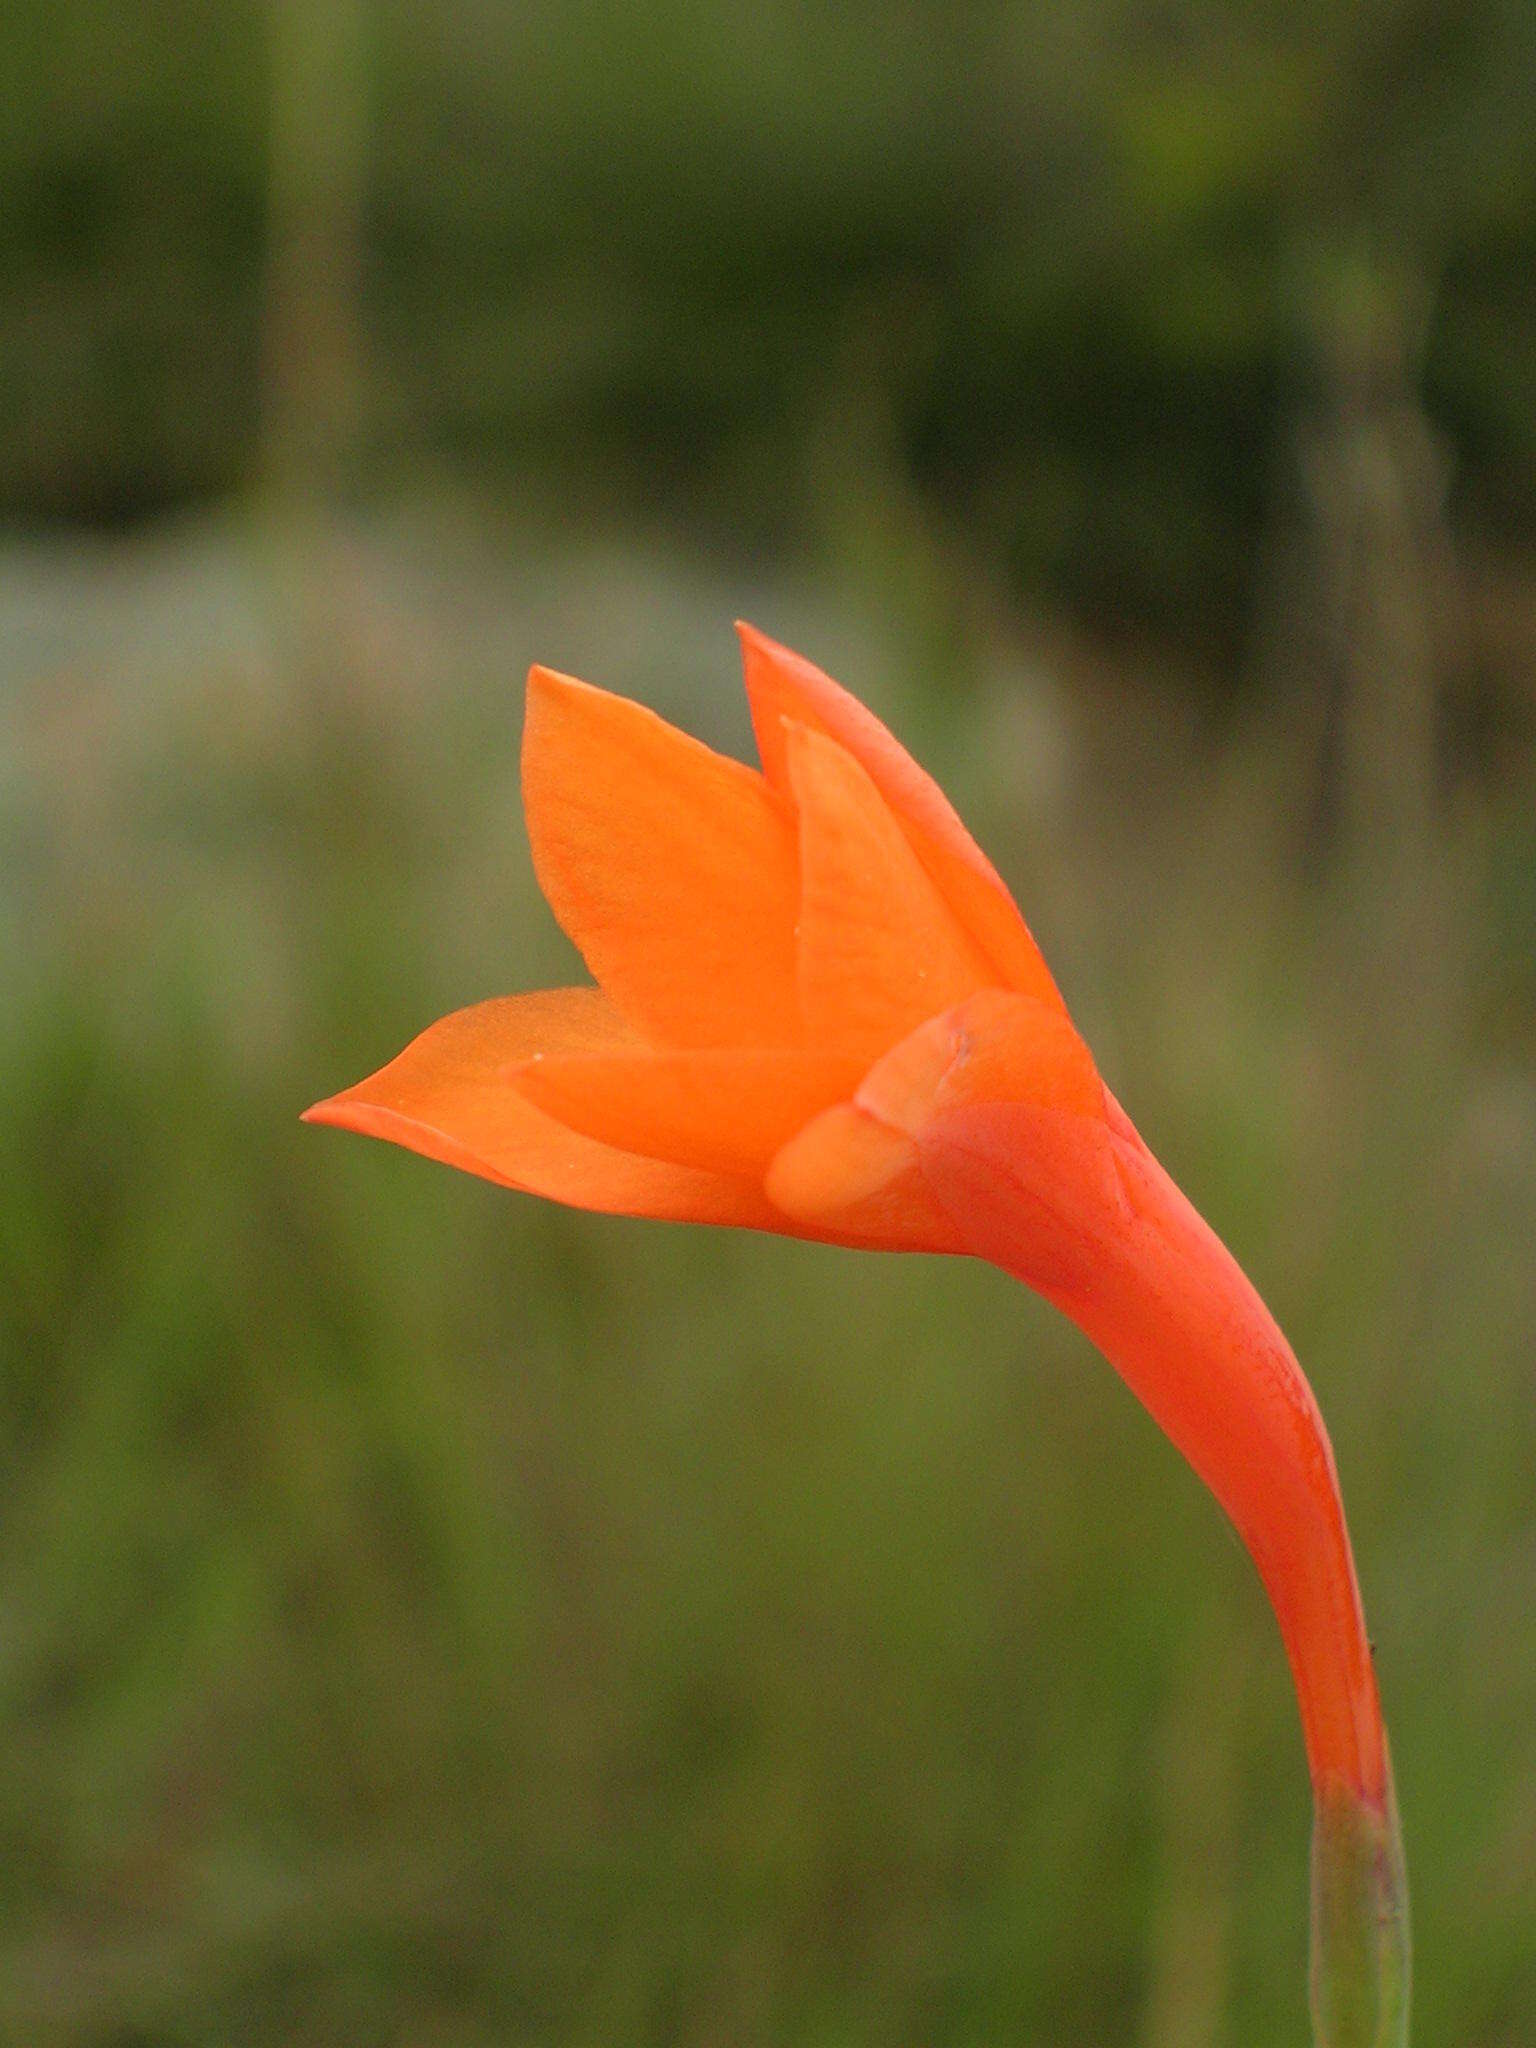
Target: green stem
1360,1947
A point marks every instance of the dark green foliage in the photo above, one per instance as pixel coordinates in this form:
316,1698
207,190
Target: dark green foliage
1063,268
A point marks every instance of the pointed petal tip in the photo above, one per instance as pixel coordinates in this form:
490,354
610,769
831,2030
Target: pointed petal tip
347,1111
554,682
754,641
763,658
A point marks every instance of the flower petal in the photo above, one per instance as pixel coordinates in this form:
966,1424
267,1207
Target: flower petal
851,1177
725,1111
447,1096
1001,1093
996,1047
781,685
880,949
671,868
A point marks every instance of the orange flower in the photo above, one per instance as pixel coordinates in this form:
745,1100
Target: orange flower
818,1011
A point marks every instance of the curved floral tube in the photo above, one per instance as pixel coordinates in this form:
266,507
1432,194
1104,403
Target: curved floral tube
819,1012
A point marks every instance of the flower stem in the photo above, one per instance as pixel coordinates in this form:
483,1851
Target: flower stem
1360,1946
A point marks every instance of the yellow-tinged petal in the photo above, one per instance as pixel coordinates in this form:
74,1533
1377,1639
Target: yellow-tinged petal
672,868
855,1179
447,1096
879,948
997,1047
871,1168
726,1111
782,685
1005,1080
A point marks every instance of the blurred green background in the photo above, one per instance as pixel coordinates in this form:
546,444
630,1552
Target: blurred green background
427,1617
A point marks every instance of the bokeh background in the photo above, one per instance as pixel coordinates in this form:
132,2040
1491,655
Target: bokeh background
431,1618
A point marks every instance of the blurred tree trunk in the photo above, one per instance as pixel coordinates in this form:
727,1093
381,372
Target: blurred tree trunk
318,160
1365,615
313,357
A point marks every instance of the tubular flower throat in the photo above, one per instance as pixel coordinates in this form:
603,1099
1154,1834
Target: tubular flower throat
818,1011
